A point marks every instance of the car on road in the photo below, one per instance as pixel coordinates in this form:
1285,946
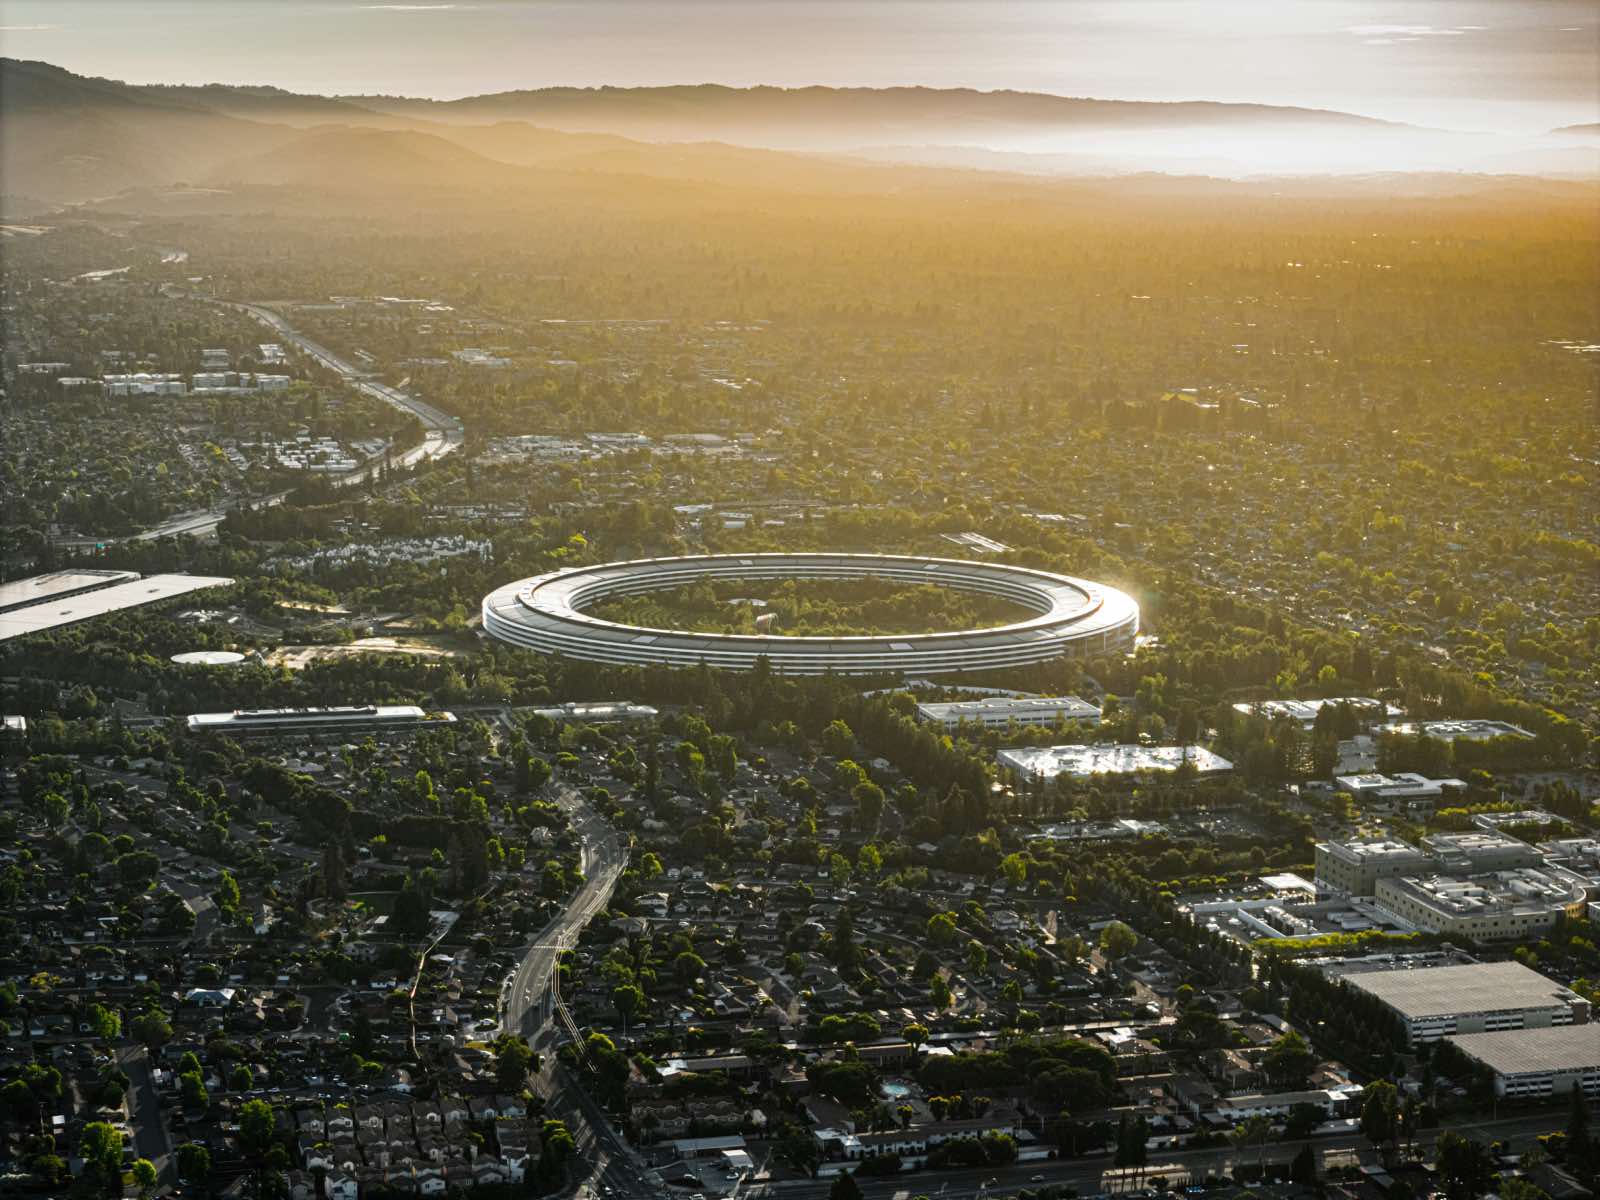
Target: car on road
1036,1179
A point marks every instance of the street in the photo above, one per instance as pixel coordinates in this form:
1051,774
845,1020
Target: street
442,433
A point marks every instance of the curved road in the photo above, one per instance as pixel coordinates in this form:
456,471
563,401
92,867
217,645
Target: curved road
531,1006
442,433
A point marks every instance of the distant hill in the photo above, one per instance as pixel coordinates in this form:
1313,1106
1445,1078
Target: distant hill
1590,130
822,118
68,137
362,160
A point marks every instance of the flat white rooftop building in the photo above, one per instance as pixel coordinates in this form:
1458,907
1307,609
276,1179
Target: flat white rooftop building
1403,785
19,593
1437,1002
1047,762
1472,729
1305,711
999,712
270,722
99,601
598,712
1354,868
1494,906
1538,1062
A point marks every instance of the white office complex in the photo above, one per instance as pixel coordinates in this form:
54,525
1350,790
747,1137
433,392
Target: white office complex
1354,868
597,712
1472,729
143,383
1538,1062
1494,906
1001,712
365,719
1080,762
97,594
1436,1002
1305,711
57,585
1076,618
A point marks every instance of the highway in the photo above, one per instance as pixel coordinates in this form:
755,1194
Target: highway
442,433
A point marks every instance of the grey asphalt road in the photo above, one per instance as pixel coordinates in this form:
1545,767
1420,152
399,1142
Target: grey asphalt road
149,1130
1086,1175
442,433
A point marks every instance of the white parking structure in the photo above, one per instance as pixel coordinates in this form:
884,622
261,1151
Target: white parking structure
1075,618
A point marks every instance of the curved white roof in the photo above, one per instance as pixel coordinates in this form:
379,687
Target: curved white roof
1073,616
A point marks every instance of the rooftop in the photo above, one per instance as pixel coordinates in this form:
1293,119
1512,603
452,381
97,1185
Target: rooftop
1476,987
16,593
1306,710
1472,729
1534,1051
1522,891
1009,706
1049,761
1377,850
98,603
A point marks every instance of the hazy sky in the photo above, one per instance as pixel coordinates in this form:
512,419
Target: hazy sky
1514,65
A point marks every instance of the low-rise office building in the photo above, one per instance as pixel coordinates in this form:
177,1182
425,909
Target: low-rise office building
1305,711
1354,868
1492,907
600,712
1538,1062
367,719
1000,712
143,383
1472,853
1047,762
1404,790
1470,729
1436,1002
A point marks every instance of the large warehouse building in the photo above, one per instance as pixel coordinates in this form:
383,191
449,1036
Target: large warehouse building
1436,1002
1538,1062
1074,618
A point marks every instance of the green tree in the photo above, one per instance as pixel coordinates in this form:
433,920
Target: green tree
144,1175
1117,940
1379,1112
942,928
513,1059
227,894
836,740
193,1162
845,1187
627,999
105,1022
1464,1166
1289,1061
100,1147
152,1028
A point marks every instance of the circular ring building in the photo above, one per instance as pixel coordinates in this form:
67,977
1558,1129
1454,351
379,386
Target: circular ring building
1076,618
